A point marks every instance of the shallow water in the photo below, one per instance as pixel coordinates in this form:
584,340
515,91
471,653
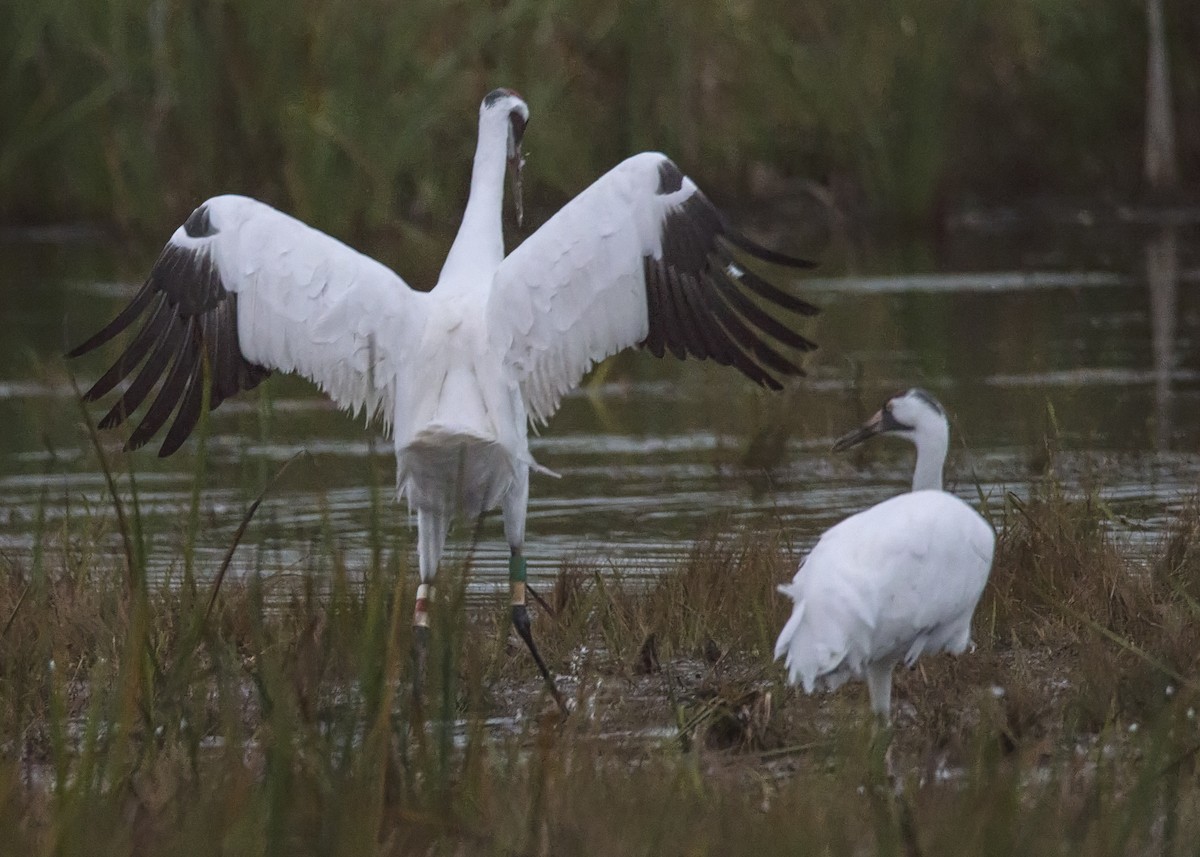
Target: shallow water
1082,331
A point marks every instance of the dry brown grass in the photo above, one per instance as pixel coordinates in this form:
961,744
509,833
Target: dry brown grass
285,722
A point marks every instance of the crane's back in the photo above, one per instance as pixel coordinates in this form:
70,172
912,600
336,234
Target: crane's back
460,425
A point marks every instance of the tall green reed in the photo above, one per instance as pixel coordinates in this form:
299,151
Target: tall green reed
359,116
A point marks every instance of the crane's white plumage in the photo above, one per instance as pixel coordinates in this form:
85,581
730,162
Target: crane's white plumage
639,258
311,305
894,582
559,305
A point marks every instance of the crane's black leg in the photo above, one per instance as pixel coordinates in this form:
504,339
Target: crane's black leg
513,507
520,620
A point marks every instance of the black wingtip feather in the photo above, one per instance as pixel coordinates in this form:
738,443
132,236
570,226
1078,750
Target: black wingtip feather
187,416
752,340
154,333
124,318
195,315
776,295
765,323
700,305
172,388
112,419
766,254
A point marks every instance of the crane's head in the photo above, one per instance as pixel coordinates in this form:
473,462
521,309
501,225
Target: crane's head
507,106
910,415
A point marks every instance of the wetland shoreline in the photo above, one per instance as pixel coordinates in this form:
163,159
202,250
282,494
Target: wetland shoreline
135,721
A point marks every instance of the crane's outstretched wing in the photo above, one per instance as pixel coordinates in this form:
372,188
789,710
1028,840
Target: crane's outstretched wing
640,258
242,289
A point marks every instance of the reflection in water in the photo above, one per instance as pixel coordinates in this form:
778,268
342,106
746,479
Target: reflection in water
1162,278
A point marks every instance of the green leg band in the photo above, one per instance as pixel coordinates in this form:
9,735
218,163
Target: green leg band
516,580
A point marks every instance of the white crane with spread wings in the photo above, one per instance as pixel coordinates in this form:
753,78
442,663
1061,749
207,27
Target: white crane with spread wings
640,258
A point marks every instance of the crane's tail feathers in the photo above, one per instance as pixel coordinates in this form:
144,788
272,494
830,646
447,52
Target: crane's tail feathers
542,469
915,650
811,661
787,635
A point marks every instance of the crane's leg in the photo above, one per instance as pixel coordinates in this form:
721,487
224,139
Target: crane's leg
432,527
515,504
879,687
889,788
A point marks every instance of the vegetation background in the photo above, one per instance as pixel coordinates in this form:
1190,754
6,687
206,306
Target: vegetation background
358,115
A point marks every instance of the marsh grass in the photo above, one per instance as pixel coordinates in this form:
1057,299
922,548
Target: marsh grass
1060,577
135,720
711,604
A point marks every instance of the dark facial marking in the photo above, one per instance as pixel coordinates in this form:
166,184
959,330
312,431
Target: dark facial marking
889,422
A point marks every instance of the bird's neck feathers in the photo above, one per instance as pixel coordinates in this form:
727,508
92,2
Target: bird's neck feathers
479,246
932,444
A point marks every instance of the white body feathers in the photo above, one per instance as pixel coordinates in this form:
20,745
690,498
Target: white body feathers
466,364
888,584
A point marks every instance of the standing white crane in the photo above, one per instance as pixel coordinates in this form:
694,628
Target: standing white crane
896,581
640,258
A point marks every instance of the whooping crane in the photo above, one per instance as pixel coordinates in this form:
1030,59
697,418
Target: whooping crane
895,581
639,258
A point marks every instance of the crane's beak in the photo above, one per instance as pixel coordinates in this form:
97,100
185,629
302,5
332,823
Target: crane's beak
882,421
516,163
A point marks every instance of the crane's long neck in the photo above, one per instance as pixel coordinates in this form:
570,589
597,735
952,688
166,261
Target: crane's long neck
932,445
479,246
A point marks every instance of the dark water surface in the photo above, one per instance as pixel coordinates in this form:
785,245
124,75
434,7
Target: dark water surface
1086,332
